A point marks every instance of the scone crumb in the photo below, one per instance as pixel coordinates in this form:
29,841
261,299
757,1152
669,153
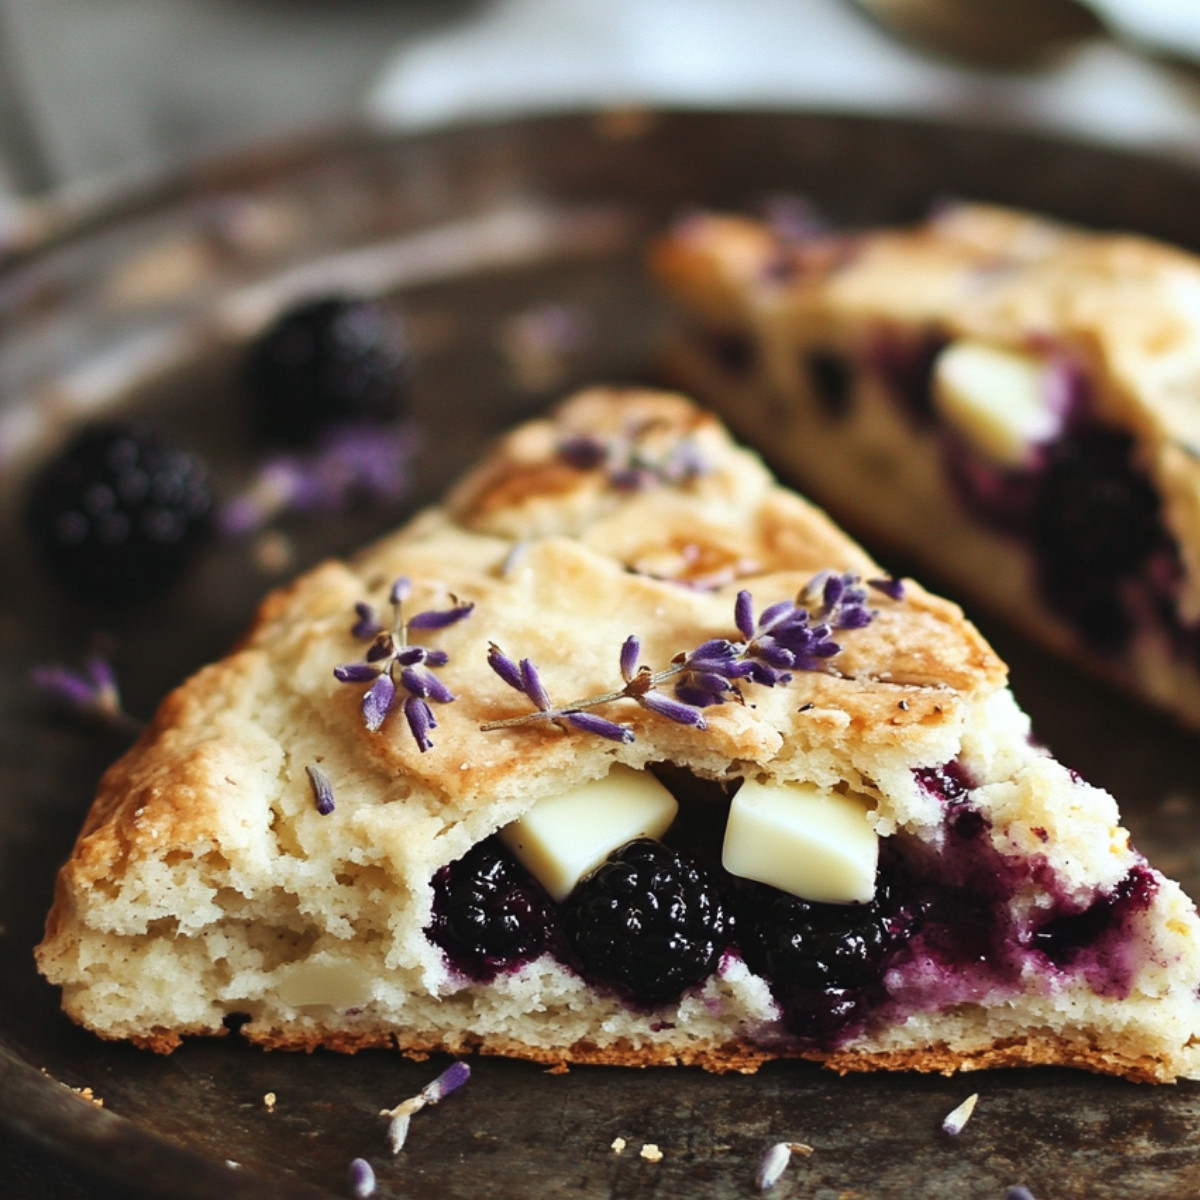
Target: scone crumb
651,1153
618,1145
269,1101
86,1093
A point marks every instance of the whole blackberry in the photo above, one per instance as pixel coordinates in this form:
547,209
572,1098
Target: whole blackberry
1097,516
117,515
489,913
649,921
327,362
791,941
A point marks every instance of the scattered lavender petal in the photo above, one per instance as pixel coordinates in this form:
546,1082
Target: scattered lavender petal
673,710
355,672
420,721
73,690
891,587
590,723
367,626
957,1118
378,701
440,620
772,1166
1020,1192
629,657
322,790
362,1178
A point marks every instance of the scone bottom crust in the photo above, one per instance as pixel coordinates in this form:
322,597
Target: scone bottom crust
284,847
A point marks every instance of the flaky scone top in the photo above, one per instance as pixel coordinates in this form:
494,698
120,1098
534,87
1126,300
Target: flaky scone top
562,563
1125,308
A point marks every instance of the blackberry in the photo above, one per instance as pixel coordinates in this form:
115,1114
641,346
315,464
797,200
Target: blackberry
648,921
117,515
327,362
795,942
489,913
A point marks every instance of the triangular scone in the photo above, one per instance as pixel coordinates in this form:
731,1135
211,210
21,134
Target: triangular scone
263,851
1011,401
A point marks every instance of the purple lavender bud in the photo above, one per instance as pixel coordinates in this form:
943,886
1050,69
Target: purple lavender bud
583,452
505,668
420,722
356,672
776,613
367,626
531,685
322,790
362,1179
378,701
673,710
401,590
743,614
425,684
772,1166
100,672
835,585
891,587
1018,1193
440,620
412,655
590,723
450,1080
629,479
716,655
629,657
768,676
436,658
852,616
63,685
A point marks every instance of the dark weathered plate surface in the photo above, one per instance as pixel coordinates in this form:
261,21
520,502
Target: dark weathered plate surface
146,302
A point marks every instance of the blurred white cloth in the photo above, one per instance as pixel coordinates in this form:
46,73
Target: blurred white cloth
525,56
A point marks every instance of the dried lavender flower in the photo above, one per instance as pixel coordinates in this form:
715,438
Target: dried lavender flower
630,462
393,666
450,1080
957,1118
1018,1193
892,587
775,1161
351,464
362,1178
91,693
322,789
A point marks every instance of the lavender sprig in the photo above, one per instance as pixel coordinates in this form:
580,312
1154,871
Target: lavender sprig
394,667
784,638
91,693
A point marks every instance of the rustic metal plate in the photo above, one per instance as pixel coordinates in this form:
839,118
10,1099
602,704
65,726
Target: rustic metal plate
143,303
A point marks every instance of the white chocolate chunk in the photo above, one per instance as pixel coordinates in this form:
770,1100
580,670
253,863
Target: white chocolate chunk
564,837
337,984
807,840
998,399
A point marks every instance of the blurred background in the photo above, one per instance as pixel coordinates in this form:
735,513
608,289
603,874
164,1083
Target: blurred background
93,91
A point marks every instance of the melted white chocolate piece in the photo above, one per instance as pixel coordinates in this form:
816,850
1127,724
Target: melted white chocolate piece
336,984
565,837
998,399
807,840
